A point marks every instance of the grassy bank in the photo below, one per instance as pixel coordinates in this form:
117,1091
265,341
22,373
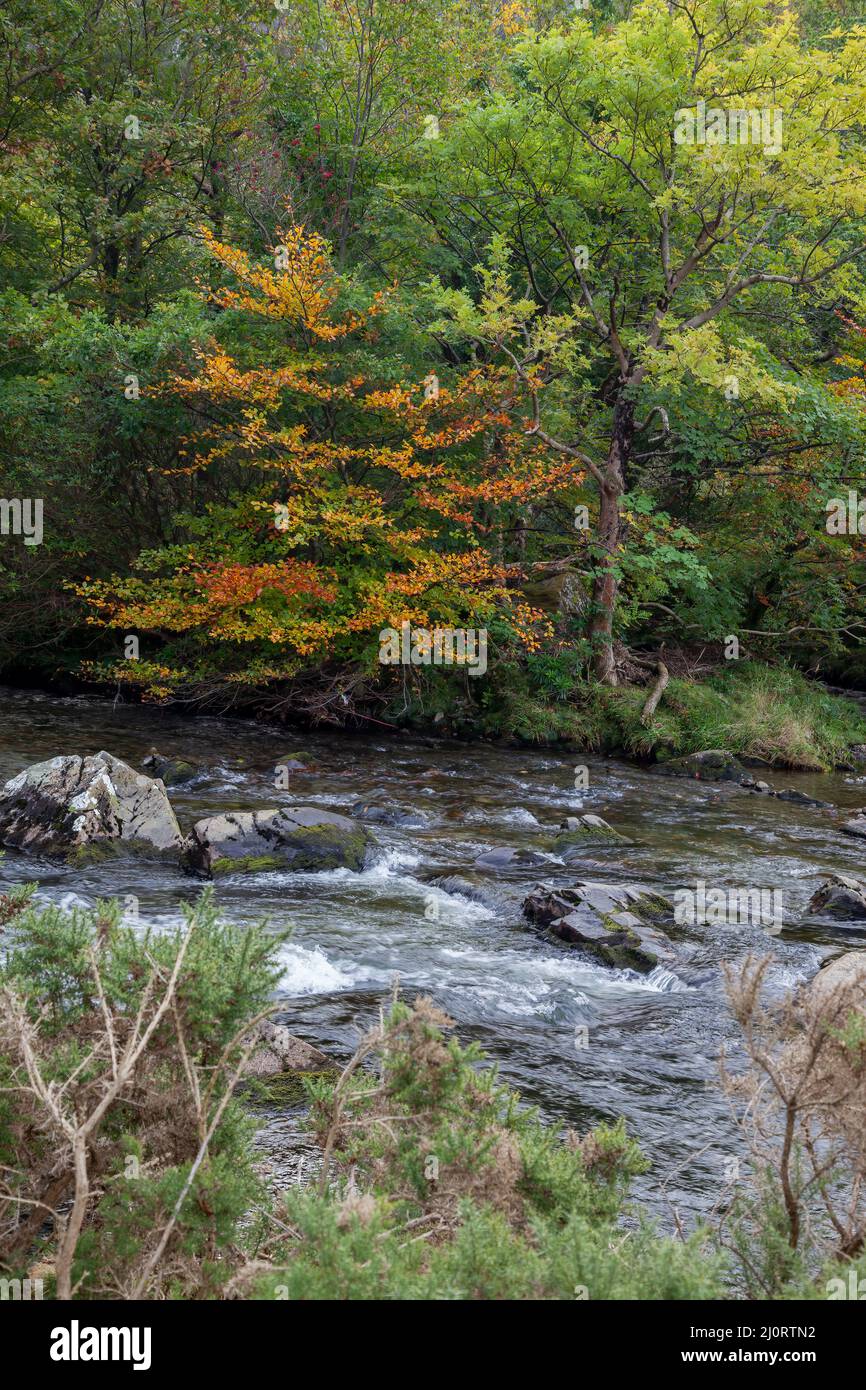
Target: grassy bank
756,711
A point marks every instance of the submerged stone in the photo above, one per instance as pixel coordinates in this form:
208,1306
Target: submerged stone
504,858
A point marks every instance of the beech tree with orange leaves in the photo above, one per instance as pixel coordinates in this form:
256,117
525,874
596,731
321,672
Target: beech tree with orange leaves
350,502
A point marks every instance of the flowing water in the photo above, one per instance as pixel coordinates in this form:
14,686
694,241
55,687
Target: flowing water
651,1043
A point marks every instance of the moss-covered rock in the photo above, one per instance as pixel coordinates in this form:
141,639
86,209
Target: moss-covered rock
172,772
300,838
608,922
274,1073
712,765
574,830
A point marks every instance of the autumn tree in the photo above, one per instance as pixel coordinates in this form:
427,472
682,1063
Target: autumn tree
348,503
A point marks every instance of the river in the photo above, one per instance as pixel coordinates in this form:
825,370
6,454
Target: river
651,1046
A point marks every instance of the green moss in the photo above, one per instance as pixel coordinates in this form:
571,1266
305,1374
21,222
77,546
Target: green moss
310,847
248,864
629,954
627,957
650,905
329,847
100,851
588,832
286,1089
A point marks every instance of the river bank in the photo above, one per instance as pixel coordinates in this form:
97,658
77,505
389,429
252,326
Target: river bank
771,715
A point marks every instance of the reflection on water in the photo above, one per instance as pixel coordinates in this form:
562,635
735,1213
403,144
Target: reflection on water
653,1041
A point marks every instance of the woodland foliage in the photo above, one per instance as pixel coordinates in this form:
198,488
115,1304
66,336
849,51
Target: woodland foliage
369,312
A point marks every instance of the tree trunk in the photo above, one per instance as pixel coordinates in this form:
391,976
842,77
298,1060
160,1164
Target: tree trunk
606,584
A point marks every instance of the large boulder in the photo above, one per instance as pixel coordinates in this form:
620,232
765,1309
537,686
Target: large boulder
612,922
85,808
295,837
840,896
712,765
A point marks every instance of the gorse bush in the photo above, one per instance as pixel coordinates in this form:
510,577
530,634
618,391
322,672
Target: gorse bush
123,1155
799,1221
449,1188
129,1169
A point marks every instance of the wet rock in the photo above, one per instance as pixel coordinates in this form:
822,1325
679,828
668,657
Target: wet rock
840,896
577,828
289,763
712,765
274,1073
840,982
503,858
462,887
277,1050
763,788
791,794
612,922
295,837
172,772
87,808
856,826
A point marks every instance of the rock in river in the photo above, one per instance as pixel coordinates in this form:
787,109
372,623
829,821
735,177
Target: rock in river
840,896
296,838
610,921
841,981
84,808
712,765
172,772
503,857
575,829
277,1050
